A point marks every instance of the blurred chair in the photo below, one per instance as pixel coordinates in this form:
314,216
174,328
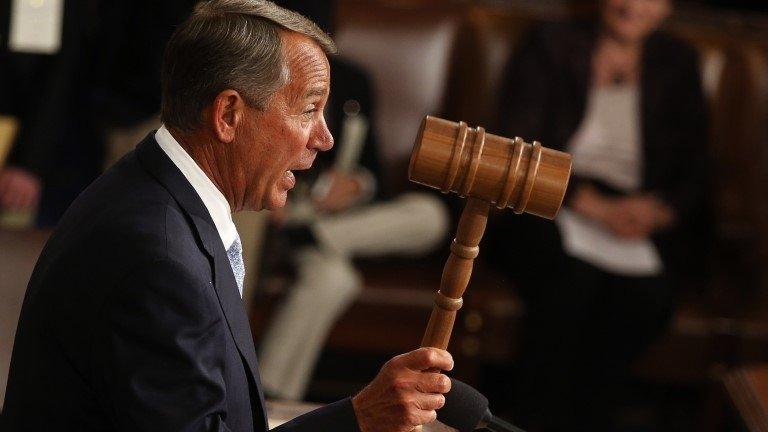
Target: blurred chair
723,323
407,51
20,252
489,39
740,152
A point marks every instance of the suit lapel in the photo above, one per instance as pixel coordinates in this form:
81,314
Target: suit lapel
230,300
165,171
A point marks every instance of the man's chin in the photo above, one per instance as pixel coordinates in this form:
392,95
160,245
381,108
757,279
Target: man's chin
276,200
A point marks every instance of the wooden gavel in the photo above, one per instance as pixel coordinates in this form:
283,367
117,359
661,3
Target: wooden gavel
488,169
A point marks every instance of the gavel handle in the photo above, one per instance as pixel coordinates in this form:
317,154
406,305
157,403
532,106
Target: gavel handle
456,275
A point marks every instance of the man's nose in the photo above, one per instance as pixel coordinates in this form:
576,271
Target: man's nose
324,139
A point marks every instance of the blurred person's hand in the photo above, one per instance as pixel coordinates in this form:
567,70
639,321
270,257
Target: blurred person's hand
633,217
651,210
19,189
343,191
630,217
405,393
664,216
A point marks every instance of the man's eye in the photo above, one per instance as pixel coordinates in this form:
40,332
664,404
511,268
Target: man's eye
309,113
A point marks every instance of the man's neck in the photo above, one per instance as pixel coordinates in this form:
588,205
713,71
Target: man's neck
200,149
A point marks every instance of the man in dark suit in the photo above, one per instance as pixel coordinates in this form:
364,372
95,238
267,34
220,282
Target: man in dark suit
133,318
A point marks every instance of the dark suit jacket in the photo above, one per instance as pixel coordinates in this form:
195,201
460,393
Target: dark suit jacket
132,319
547,83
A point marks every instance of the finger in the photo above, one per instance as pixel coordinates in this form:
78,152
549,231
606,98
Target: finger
429,401
421,417
431,382
427,358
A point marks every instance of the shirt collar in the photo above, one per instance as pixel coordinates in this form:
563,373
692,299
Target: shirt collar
214,200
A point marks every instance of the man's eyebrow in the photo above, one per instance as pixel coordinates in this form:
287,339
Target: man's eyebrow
315,91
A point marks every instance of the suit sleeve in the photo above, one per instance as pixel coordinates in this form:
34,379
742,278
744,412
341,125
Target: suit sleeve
337,417
163,361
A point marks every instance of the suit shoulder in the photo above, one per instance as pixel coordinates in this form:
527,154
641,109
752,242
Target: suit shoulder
154,229
127,211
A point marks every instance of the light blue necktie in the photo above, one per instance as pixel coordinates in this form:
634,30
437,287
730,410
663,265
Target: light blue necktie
235,255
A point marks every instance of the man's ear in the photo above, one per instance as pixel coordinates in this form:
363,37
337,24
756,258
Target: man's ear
227,110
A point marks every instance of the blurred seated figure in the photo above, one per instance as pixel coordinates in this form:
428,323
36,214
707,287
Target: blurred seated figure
44,85
334,217
625,99
100,71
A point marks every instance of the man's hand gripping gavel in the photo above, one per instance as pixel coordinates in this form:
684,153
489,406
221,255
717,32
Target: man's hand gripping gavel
405,393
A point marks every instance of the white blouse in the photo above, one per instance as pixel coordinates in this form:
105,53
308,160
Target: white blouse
607,147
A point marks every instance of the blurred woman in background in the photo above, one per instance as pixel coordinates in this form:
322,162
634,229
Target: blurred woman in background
626,100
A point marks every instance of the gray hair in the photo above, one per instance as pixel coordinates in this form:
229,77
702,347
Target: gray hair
228,44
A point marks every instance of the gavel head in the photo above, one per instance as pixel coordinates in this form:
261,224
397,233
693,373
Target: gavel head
506,172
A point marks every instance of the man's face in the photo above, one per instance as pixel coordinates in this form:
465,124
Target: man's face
288,133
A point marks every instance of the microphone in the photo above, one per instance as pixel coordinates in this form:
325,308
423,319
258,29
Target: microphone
466,410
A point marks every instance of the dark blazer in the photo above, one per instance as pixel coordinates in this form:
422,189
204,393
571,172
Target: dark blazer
132,319
545,98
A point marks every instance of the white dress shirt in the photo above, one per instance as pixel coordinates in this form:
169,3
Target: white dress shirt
607,147
214,200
